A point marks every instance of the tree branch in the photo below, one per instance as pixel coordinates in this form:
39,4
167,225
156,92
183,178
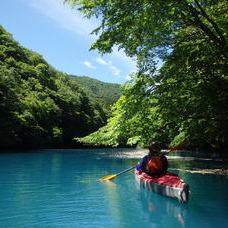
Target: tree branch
197,22
215,26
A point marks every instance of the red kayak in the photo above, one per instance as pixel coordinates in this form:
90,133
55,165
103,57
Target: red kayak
169,184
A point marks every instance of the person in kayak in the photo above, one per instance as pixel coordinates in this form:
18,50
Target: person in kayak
154,163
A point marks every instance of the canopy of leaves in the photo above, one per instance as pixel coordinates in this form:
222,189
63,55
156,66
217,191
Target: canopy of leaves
39,106
145,28
186,99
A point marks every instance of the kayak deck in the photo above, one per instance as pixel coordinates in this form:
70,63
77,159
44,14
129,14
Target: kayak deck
170,185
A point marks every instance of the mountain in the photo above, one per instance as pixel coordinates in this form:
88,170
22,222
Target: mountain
41,107
105,93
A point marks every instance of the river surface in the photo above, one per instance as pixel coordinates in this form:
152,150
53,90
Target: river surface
60,188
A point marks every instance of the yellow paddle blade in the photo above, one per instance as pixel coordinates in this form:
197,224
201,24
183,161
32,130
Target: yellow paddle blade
109,177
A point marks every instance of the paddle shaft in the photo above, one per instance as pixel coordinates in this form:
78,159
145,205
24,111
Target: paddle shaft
110,177
126,170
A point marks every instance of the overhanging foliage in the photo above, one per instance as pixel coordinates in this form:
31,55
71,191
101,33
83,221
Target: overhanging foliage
187,98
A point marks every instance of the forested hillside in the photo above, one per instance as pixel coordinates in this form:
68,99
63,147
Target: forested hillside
187,99
40,106
105,93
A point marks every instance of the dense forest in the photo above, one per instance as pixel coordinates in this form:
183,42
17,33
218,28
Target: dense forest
105,94
40,106
186,99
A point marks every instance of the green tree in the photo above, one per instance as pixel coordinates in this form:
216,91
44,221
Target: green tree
187,98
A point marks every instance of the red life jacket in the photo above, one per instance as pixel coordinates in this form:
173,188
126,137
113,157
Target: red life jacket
156,165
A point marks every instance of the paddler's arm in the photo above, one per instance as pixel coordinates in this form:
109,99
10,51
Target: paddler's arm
142,164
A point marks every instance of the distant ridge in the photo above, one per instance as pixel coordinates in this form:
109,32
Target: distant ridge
103,92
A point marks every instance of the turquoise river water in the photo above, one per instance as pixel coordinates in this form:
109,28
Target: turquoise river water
60,188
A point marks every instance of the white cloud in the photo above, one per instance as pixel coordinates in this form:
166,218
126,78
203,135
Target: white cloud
110,65
64,15
115,70
101,61
89,64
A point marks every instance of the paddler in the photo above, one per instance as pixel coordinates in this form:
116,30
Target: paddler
154,163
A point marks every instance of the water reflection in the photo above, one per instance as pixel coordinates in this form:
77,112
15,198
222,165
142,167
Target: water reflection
171,211
115,205
129,204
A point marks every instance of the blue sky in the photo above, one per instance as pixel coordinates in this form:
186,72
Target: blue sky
61,35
